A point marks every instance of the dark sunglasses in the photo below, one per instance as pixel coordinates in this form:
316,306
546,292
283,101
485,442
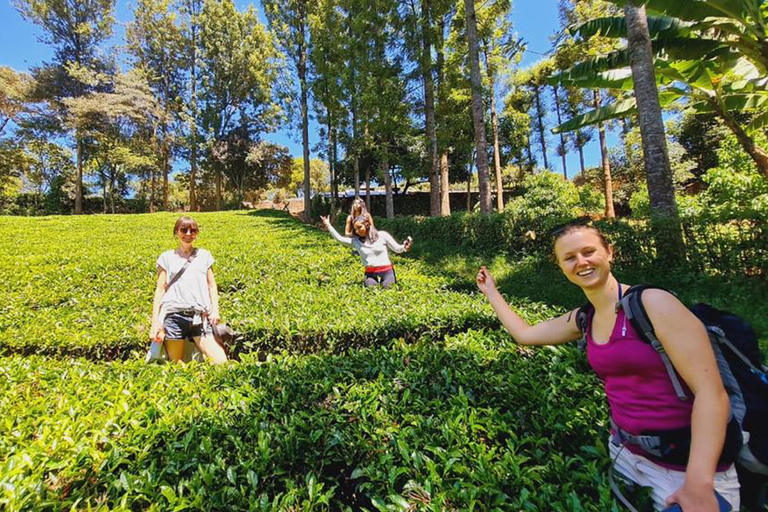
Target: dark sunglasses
557,231
188,231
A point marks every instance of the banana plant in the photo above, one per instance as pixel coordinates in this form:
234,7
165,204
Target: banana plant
710,56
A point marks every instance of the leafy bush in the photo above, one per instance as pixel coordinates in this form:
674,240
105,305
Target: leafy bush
734,194
440,425
546,201
284,285
688,206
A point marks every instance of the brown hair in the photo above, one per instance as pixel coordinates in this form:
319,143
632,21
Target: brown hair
575,225
372,235
363,209
184,222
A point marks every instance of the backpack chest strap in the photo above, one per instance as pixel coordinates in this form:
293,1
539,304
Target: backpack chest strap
653,445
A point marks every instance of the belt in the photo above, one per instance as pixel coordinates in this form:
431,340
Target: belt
376,270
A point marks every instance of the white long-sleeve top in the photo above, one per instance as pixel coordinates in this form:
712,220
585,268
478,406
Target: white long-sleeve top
372,254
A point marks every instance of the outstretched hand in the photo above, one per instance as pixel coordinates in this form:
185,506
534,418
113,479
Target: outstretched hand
326,220
485,281
408,244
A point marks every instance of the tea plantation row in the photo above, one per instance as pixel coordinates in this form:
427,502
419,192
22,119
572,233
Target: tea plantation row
470,422
84,286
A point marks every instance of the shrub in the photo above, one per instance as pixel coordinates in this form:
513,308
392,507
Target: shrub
688,206
283,284
450,424
547,200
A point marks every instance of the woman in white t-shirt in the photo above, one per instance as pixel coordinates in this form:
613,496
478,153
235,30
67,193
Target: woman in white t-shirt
186,303
372,245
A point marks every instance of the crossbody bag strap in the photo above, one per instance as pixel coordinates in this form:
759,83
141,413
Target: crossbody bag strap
183,269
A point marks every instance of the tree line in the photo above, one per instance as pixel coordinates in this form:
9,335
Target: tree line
405,92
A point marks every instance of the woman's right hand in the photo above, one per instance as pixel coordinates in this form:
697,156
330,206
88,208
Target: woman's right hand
485,281
158,335
326,221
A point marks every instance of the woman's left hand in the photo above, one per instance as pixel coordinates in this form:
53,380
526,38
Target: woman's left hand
693,498
213,318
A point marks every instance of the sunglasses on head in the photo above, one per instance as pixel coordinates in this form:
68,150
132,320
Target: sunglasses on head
188,231
562,228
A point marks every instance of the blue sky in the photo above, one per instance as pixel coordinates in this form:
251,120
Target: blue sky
534,20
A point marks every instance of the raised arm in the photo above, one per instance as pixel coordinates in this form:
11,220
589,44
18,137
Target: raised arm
343,239
552,332
687,343
392,243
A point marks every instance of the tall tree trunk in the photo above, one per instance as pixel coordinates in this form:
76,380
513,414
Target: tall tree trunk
580,146
356,166
218,191
495,129
540,117
445,189
387,177
335,160
368,188
606,163
367,176
355,145
329,126
302,71
193,105
152,190
562,137
445,185
193,135
429,108
166,171
79,180
166,151
658,171
469,185
477,109
530,153
112,187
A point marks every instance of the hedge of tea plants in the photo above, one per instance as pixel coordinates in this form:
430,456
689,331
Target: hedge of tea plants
83,286
466,422
344,398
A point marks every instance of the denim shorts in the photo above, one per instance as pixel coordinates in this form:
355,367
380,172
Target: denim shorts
179,326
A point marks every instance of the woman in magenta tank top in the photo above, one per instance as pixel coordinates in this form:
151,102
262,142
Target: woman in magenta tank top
638,388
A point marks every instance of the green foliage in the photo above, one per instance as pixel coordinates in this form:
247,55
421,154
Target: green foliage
282,284
406,417
546,201
441,424
734,191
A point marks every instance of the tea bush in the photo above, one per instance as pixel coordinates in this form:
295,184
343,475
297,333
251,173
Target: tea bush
282,284
467,422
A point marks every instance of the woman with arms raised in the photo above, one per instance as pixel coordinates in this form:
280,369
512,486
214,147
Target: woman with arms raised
641,396
372,246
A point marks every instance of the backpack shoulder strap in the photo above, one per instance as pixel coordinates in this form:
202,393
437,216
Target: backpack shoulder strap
633,308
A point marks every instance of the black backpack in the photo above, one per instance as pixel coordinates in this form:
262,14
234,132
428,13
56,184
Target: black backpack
739,360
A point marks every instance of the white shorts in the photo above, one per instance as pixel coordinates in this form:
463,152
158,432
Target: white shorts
664,482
